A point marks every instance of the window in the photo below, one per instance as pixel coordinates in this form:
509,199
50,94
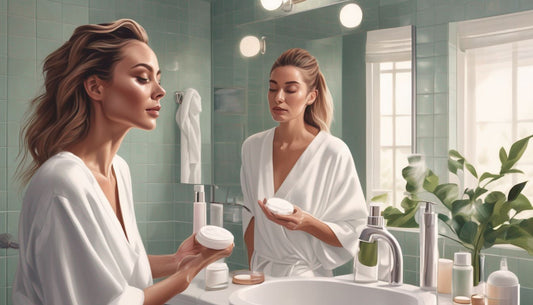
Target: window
496,55
389,108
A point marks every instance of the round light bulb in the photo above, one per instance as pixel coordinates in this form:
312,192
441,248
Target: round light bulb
271,5
250,46
351,15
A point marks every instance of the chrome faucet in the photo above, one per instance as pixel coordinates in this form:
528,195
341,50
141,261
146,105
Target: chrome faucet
376,230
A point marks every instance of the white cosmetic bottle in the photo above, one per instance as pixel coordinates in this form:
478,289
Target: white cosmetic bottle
503,287
199,210
462,275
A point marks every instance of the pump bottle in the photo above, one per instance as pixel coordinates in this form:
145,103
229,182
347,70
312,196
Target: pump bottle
429,252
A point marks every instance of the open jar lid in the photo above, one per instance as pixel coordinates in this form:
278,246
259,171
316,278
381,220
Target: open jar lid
279,206
214,237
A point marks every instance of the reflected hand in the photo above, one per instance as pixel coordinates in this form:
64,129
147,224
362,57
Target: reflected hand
295,221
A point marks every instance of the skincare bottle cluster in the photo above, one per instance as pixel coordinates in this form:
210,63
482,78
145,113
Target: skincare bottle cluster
212,236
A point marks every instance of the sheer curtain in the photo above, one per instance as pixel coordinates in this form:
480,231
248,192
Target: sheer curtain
497,104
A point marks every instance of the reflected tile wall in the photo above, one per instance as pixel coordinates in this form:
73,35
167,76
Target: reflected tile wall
435,127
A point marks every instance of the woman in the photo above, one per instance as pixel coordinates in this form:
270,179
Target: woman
79,241
301,162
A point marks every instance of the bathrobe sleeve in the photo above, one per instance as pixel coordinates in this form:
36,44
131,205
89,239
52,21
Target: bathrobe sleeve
345,211
69,268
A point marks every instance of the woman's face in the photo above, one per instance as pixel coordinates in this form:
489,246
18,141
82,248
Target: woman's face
288,95
132,97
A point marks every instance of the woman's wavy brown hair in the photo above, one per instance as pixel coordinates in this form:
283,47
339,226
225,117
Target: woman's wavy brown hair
60,116
320,113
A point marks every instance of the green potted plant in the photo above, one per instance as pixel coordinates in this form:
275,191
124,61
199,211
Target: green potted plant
477,217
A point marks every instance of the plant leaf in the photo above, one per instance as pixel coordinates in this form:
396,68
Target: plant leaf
443,217
458,221
380,198
503,155
488,175
468,232
500,213
515,153
397,218
489,236
430,182
515,191
484,212
471,169
521,203
454,165
479,191
414,177
470,193
408,204
520,234
514,171
447,193
455,153
458,205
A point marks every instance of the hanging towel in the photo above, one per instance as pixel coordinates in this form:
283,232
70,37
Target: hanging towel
188,119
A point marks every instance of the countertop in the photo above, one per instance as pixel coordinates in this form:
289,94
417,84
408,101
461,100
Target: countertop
196,294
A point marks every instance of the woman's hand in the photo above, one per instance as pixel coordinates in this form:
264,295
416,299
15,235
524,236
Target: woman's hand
303,221
298,220
192,254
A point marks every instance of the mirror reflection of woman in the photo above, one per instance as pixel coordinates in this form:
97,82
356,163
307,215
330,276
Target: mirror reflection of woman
79,241
301,162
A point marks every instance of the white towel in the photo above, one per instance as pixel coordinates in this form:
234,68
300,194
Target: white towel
188,119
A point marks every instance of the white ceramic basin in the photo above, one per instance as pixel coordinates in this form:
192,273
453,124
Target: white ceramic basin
321,291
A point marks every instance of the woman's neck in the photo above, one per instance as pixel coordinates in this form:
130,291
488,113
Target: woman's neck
99,147
292,131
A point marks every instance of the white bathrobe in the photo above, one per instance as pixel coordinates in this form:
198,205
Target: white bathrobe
323,183
72,246
188,119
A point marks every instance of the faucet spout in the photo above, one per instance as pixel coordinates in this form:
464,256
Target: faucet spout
371,234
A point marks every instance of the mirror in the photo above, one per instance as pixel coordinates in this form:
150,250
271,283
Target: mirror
339,50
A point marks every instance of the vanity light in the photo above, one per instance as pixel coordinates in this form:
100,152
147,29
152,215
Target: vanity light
285,5
251,46
271,5
351,15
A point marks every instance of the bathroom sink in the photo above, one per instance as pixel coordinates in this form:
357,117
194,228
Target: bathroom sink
315,291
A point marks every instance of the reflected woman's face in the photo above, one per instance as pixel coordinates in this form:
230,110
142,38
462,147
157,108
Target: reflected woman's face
288,94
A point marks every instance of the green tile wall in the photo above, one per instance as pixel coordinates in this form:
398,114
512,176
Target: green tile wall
180,34
234,19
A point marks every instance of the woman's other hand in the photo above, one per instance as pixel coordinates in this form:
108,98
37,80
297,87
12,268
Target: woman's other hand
295,221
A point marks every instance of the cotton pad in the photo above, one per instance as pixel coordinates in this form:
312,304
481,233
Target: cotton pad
279,206
214,237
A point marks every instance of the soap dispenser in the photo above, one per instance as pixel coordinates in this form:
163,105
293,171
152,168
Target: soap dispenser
503,287
429,252
366,259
